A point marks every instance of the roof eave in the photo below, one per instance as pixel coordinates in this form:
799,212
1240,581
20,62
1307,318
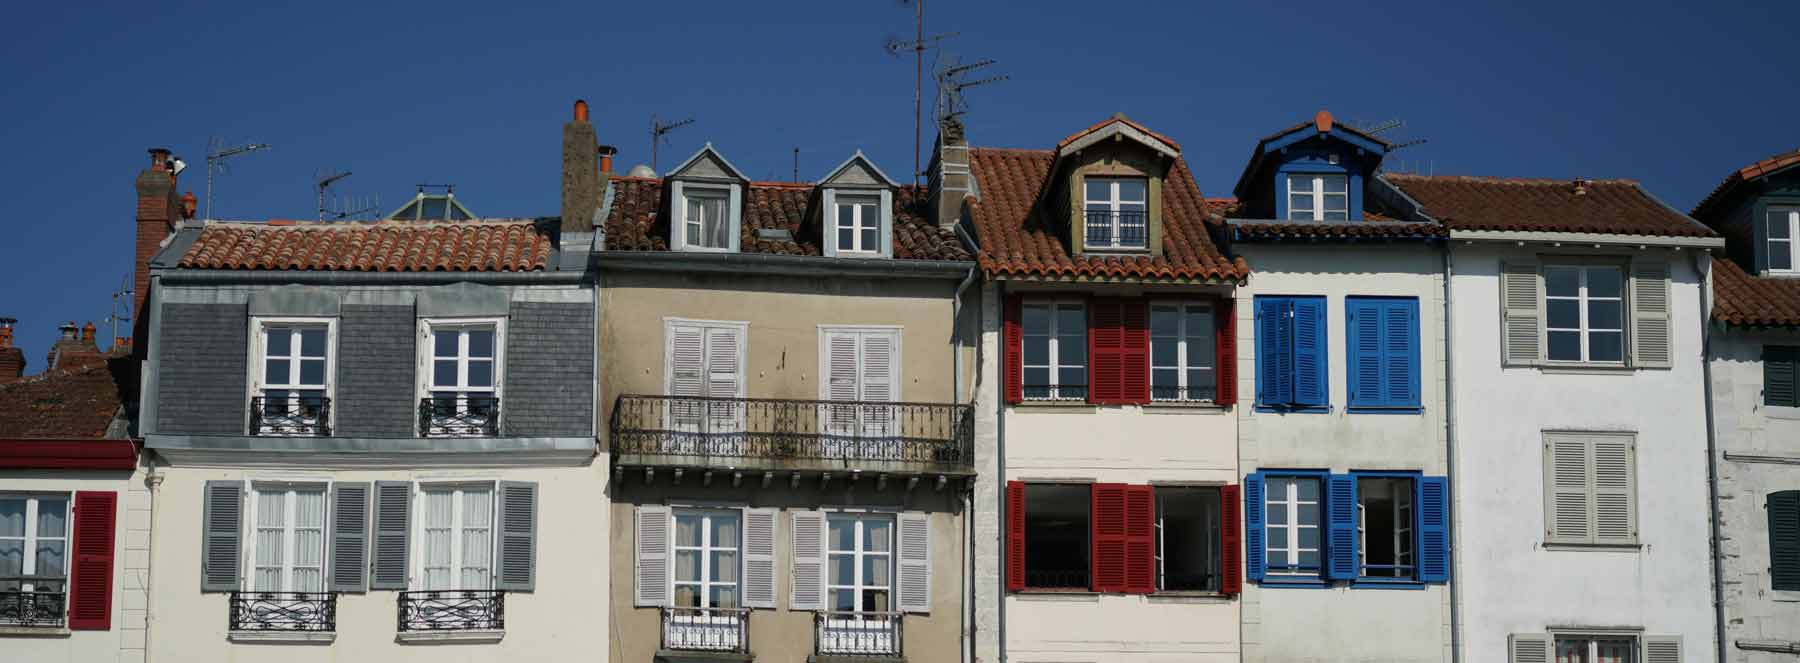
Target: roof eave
1595,239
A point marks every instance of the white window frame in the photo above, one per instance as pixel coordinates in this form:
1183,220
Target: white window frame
31,538
859,203
1183,353
1290,502
691,190
1581,299
1315,191
418,561
857,554
705,550
1055,368
289,539
425,367
1793,228
1593,637
1113,203
256,385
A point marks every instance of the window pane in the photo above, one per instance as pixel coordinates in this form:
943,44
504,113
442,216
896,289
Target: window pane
687,596
12,558
1605,314
1606,346
443,342
1781,255
687,566
876,534
1562,281
1037,350
846,239
1071,320
12,517
876,601
1335,183
1307,489
871,218
1336,202
843,600
1072,376
1300,183
1309,537
1165,383
1036,377
725,531
1278,511
1309,559
687,530
843,535
279,341
875,571
1562,314
846,216
1336,215
841,569
1307,514
481,373
481,342
1278,536
1604,282
1565,346
1201,384
1071,350
1099,189
275,371
1778,224
1035,319
724,566
1165,321
1300,206
312,371
1131,190
312,342
871,239
1165,353
443,372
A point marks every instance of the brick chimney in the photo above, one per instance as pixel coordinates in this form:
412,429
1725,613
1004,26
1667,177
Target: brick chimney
950,177
581,183
73,348
158,208
12,359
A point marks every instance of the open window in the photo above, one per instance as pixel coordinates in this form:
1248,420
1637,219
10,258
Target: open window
462,365
293,375
1188,539
1385,529
1057,527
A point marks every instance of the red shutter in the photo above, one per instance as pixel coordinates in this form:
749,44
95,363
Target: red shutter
1134,351
1108,515
1225,361
1106,345
1231,535
90,577
1015,341
1140,539
1015,536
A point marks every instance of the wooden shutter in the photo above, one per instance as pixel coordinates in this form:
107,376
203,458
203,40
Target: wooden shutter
1662,649
1567,518
91,574
1784,540
1231,541
1015,535
1140,539
1310,357
841,372
1434,529
1255,553
1134,351
880,379
393,529
1522,338
349,565
221,546
1106,351
1528,648
1615,505
516,566
1368,386
687,360
1340,538
1225,358
1778,376
651,568
1274,351
1400,352
1650,333
1107,521
808,592
1015,341
914,551
759,557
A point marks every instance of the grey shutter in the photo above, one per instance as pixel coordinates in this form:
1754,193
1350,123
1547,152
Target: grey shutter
808,592
349,537
1528,648
516,566
1662,649
222,536
1567,487
1520,300
1650,315
652,566
1614,479
393,529
915,562
759,558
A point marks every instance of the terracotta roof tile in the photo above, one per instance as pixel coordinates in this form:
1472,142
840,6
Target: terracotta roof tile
1375,227
1750,301
68,403
1491,203
380,246
1759,169
1121,119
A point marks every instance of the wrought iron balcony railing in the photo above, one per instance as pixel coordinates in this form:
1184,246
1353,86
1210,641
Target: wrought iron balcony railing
292,414
284,611
706,629
453,610
1108,229
907,436
459,415
857,633
37,608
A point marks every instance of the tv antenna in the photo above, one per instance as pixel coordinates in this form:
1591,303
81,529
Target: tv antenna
121,308
341,208
919,43
216,154
951,84
660,128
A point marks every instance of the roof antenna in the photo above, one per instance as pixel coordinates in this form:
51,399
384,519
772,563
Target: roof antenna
216,154
796,164
660,128
919,43
951,85
121,309
340,208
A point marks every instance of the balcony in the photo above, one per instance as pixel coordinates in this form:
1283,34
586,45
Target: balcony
283,613
292,415
723,630
1107,229
858,634
793,435
36,608
459,415
458,614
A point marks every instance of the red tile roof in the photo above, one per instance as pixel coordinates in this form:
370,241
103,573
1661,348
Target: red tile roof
1759,169
1017,242
78,402
1751,301
379,246
637,221
1120,118
1492,203
1373,228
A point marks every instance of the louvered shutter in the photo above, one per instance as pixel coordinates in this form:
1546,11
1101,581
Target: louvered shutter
1615,508
1528,648
915,562
1015,535
516,566
91,574
879,381
759,557
1568,485
1015,341
1650,333
1662,649
1368,387
841,375
349,537
1107,509
1784,540
652,553
808,592
1140,539
1134,351
1340,509
1778,376
1310,356
221,546
723,377
1106,347
393,529
1434,529
1274,358
1255,553
1400,352
687,370
1231,541
1225,358
1520,302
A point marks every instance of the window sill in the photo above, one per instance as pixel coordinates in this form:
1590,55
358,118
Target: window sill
1184,406
1070,595
1055,404
1369,409
35,631
1593,547
1781,412
313,637
436,637
1586,369
1284,409
1188,597
1785,595
1294,583
1378,583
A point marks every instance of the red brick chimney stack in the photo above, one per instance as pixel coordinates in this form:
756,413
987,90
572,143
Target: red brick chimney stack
12,359
158,208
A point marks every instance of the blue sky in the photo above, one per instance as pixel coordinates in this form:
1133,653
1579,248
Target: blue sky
474,93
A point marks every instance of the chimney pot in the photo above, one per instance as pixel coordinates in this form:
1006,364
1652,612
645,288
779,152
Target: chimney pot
1581,186
87,333
581,111
159,158
188,205
606,157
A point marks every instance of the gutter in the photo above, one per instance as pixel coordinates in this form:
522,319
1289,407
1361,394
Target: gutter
1701,261
318,277
1594,239
768,263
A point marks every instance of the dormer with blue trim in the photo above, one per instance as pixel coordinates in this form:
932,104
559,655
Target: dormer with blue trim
855,210
1315,172
706,203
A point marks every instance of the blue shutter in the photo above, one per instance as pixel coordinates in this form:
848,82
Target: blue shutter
1308,331
1365,347
1434,529
1255,554
1274,341
1340,507
1400,352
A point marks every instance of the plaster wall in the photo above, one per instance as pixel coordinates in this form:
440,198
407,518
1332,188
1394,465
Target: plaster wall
125,641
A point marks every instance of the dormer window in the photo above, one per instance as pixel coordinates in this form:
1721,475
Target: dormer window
706,195
1117,213
706,218
1784,224
1318,197
855,213
857,223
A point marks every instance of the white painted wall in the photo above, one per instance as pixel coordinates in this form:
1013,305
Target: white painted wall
124,642
1509,582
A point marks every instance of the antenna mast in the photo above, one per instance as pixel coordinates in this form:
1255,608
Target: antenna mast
658,129
121,299
918,45
951,85
216,154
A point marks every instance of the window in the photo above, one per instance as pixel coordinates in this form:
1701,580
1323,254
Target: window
1383,344
1055,350
1591,489
287,551
705,361
860,365
1293,526
1318,197
1182,351
463,378
1596,649
1784,540
1584,313
1187,539
1116,213
706,559
858,224
1291,353
860,568
456,526
706,218
34,543
1385,534
1783,225
1778,363
293,386
1056,536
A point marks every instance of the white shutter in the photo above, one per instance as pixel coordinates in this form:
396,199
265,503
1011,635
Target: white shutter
1662,649
1615,508
879,382
1568,485
808,592
1519,302
1528,648
841,373
652,568
1650,315
759,558
687,358
723,377
915,562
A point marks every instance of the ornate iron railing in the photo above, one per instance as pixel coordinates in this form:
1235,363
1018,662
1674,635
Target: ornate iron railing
1188,394
284,611
453,610
460,415
293,414
706,629
857,633
33,609
1107,229
845,433
1056,579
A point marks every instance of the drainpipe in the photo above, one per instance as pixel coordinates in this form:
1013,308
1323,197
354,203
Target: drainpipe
956,335
1712,456
1450,454
1000,483
155,480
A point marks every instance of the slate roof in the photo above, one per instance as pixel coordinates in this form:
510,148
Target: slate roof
1017,242
1619,207
1760,168
378,246
1743,300
76,402
637,221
